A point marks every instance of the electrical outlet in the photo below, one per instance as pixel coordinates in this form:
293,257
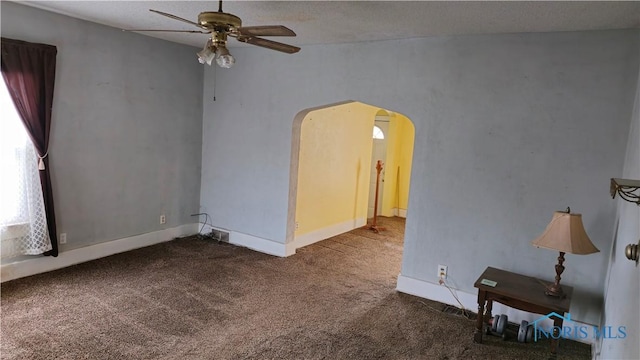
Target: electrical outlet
163,219
442,271
63,238
297,225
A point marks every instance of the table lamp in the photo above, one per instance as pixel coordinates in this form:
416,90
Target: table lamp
565,233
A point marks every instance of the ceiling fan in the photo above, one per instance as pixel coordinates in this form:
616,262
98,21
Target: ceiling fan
221,25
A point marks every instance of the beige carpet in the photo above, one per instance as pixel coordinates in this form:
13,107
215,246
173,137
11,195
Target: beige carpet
198,299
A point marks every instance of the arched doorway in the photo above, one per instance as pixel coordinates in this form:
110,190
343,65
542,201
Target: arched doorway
331,157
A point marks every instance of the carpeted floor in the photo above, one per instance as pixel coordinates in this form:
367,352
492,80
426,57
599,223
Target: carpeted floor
194,298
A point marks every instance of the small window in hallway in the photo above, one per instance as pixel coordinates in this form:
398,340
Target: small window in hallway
377,133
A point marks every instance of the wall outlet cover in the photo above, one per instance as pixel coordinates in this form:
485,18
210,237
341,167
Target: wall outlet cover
442,271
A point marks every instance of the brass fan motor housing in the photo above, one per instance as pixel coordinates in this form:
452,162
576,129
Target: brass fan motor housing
215,20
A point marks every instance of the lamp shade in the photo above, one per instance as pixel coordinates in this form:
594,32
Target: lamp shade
565,233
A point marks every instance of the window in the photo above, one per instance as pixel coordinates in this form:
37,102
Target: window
377,133
23,225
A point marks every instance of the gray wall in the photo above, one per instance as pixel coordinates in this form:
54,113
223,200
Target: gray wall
126,136
509,128
622,298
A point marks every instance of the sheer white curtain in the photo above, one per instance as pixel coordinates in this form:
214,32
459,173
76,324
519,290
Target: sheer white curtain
23,223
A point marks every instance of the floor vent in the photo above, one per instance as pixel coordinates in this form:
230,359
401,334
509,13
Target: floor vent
219,235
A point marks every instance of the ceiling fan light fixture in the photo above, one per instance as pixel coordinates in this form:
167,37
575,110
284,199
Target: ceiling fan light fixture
224,58
222,25
207,54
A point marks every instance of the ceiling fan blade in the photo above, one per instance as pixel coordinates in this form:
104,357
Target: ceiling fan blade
266,30
183,31
273,45
171,16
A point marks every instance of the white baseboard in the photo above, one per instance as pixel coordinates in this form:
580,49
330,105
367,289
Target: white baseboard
440,293
327,232
255,242
275,248
399,212
259,244
437,292
42,264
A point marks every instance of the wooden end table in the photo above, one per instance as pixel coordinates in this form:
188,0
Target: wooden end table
520,292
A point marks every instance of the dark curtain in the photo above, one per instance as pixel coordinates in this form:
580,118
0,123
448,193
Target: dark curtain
29,71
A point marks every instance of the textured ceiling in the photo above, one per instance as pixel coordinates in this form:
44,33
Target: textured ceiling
327,22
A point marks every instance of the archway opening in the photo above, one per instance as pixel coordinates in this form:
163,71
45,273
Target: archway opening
331,169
